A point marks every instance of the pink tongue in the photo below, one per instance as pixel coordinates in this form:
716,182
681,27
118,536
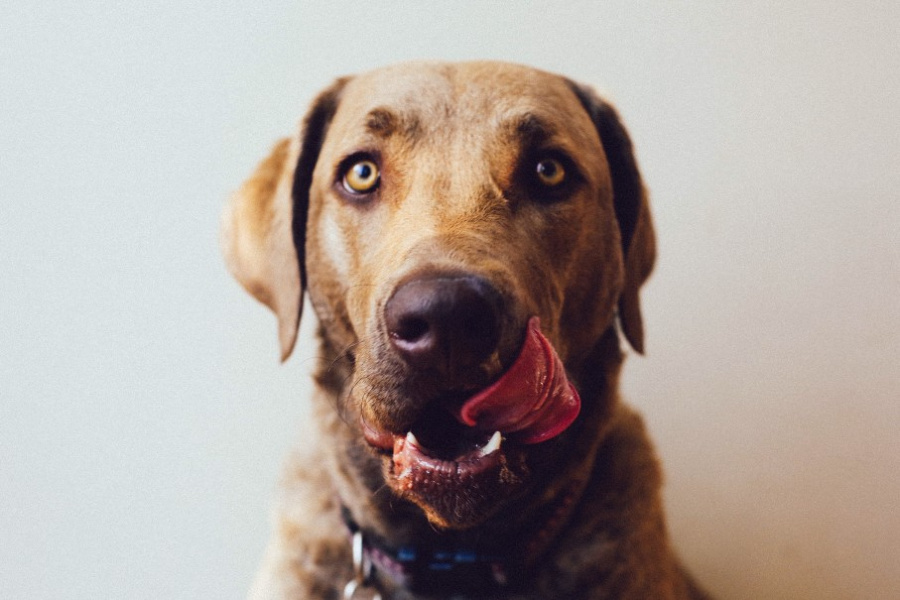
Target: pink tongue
533,399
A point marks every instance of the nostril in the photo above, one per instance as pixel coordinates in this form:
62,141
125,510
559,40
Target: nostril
410,329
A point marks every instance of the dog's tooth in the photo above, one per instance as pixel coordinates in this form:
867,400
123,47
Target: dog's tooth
411,439
493,444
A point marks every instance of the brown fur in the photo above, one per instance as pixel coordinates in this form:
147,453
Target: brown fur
452,141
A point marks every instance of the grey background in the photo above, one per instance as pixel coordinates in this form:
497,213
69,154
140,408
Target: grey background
143,411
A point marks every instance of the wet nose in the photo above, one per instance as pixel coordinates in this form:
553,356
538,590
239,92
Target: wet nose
445,323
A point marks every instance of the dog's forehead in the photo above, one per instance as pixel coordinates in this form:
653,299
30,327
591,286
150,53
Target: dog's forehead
428,98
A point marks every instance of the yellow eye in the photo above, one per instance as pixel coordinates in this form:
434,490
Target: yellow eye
550,172
361,177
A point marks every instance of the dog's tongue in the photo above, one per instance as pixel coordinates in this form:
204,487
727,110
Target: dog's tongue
533,399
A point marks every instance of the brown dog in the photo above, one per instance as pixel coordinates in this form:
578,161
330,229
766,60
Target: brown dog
472,237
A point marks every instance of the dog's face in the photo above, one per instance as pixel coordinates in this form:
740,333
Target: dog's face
467,237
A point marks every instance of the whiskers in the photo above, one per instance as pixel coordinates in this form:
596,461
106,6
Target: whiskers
358,390
347,387
348,354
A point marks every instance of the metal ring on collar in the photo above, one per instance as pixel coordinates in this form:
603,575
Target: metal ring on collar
362,569
353,586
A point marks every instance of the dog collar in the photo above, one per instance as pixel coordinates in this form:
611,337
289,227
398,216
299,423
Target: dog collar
449,568
430,569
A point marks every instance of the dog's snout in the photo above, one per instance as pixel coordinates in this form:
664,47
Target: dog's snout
444,323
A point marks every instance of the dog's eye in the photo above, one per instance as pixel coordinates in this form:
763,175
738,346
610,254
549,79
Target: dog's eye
361,177
550,172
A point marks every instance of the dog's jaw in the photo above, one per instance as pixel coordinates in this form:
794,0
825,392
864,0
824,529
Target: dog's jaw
457,483
457,493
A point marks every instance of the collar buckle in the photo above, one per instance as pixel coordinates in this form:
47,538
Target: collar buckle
362,570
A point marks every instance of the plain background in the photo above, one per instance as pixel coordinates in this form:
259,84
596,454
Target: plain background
144,415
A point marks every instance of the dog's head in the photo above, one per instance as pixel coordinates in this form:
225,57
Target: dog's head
467,235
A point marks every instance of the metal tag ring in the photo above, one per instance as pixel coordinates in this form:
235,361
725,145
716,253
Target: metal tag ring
353,586
362,565
362,569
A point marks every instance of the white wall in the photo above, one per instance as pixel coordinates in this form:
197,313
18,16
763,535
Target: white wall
144,415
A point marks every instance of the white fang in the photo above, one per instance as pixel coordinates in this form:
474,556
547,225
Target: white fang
493,444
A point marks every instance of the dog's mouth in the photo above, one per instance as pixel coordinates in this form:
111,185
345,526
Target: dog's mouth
439,436
460,454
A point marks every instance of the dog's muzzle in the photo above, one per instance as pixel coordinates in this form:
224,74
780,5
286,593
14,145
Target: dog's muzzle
457,456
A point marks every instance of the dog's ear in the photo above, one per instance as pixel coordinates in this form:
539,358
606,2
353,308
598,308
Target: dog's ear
264,224
632,210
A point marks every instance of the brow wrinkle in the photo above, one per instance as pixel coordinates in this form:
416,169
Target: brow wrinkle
529,129
384,122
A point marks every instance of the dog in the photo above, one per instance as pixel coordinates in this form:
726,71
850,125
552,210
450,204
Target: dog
473,238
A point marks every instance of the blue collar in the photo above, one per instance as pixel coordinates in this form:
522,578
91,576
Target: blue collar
438,568
444,568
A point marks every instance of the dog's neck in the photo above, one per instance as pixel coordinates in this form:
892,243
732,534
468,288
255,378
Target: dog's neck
448,563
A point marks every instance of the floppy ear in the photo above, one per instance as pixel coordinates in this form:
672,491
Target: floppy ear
632,211
264,224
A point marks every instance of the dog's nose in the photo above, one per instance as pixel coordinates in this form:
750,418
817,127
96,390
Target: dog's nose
445,323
